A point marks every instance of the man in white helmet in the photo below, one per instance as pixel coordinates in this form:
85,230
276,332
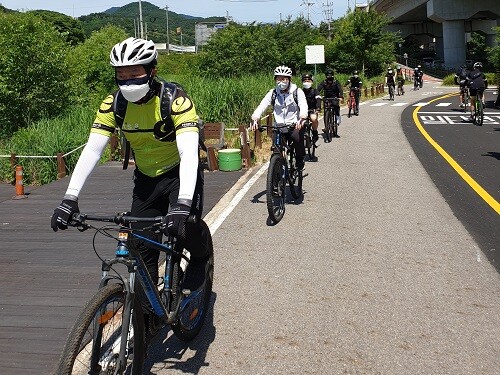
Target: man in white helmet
289,107
167,178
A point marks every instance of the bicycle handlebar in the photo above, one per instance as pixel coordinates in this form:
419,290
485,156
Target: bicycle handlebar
79,220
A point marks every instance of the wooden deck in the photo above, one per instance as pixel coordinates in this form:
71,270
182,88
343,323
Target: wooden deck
47,277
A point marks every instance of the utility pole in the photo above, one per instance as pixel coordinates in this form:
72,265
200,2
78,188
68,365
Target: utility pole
140,20
168,37
308,5
328,16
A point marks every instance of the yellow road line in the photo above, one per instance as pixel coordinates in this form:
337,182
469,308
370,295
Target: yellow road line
467,178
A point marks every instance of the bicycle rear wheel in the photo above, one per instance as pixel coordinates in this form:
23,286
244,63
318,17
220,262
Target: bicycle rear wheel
275,189
194,308
94,342
479,111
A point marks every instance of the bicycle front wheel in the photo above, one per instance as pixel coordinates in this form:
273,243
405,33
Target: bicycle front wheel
194,308
275,189
328,125
294,179
93,345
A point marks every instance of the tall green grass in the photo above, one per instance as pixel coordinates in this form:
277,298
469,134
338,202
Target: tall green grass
47,138
228,100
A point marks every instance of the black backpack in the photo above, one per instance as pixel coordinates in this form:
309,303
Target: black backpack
167,92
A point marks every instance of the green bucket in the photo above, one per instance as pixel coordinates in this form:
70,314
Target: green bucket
229,159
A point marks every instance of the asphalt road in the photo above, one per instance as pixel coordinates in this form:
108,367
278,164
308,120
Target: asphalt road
374,272
476,149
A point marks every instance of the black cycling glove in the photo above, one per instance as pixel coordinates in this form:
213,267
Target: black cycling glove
63,213
175,220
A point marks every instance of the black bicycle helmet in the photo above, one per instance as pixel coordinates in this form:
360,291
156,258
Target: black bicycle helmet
307,76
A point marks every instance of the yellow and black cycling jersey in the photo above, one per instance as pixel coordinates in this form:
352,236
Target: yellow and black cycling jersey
153,141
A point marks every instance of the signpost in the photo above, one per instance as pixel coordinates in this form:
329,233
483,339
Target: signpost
315,54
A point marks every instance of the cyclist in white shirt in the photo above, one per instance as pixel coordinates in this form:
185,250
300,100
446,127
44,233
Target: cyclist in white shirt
289,107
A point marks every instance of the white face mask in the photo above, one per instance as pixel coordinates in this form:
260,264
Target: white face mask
134,93
307,85
356,76
282,85
134,90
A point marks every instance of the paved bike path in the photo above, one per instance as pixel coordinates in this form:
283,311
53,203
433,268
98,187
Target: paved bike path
47,277
370,274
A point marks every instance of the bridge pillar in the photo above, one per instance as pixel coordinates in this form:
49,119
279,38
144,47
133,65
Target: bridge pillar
454,43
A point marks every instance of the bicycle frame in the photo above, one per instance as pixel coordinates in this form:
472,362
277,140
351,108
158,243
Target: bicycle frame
135,265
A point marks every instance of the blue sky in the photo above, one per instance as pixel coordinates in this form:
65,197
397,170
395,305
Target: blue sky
240,10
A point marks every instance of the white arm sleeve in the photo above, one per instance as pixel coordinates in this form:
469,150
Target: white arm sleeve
86,163
187,144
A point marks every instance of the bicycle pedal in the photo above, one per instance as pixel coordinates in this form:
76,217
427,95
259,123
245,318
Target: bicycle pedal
305,175
186,292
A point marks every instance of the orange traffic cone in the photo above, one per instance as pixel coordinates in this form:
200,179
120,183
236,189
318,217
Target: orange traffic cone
19,184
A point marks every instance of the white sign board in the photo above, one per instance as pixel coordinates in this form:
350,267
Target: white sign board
315,54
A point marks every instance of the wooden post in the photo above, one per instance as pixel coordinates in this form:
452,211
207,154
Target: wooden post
13,160
61,166
246,158
372,91
269,123
366,92
258,139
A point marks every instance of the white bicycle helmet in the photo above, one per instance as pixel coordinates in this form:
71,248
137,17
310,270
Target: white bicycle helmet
283,70
133,51
478,65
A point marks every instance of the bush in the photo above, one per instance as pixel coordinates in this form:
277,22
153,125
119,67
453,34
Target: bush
92,75
34,82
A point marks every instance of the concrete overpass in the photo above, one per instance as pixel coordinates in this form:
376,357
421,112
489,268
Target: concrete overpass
446,21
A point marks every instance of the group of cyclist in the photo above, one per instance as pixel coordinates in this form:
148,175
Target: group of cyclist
293,105
473,82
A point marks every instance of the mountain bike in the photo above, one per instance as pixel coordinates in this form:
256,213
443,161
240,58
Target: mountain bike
310,144
282,170
330,118
390,86
466,102
417,83
400,90
351,102
478,115
109,335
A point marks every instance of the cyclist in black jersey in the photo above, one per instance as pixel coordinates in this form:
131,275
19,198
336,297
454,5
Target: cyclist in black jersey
477,84
313,98
167,180
390,80
355,83
331,89
460,79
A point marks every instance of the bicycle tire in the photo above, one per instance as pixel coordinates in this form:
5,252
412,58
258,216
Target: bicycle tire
350,108
391,92
275,188
77,353
334,127
194,308
293,175
326,119
479,112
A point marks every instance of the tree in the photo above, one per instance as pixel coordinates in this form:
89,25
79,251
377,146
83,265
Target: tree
92,75
237,50
361,42
33,80
68,26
